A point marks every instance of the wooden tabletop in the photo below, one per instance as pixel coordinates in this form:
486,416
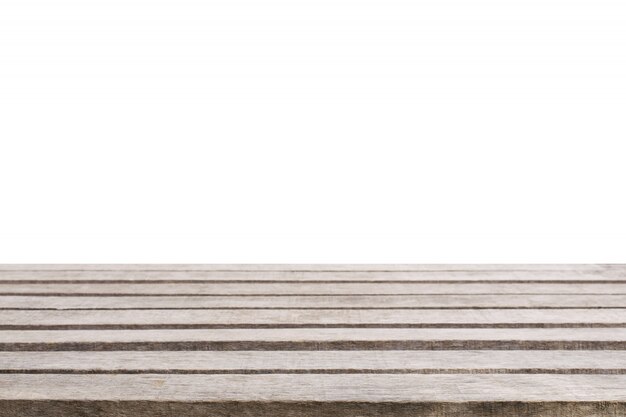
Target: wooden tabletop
312,340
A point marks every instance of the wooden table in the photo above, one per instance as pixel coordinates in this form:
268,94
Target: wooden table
312,340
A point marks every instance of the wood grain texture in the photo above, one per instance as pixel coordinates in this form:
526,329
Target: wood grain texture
325,289
67,319
313,340
339,275
310,267
468,361
315,387
82,408
559,301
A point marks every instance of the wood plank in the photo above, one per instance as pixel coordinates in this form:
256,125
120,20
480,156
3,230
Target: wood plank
75,319
147,408
542,361
308,267
315,339
310,289
601,275
317,302
317,388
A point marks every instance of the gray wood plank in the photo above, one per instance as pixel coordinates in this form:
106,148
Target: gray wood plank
307,267
316,302
310,289
147,408
318,388
311,318
315,339
314,276
544,361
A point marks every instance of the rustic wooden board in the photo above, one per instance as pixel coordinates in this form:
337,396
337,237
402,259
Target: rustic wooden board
325,289
315,387
435,275
313,340
67,319
559,301
148,408
309,267
391,361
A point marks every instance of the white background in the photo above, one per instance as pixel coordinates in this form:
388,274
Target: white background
312,130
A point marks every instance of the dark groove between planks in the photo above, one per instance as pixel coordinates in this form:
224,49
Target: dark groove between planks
312,326
426,371
320,308
263,271
227,281
84,408
317,345
93,294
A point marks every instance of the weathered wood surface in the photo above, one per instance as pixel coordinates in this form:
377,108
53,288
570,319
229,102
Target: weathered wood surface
316,387
323,289
403,361
560,301
324,276
312,340
311,267
444,318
